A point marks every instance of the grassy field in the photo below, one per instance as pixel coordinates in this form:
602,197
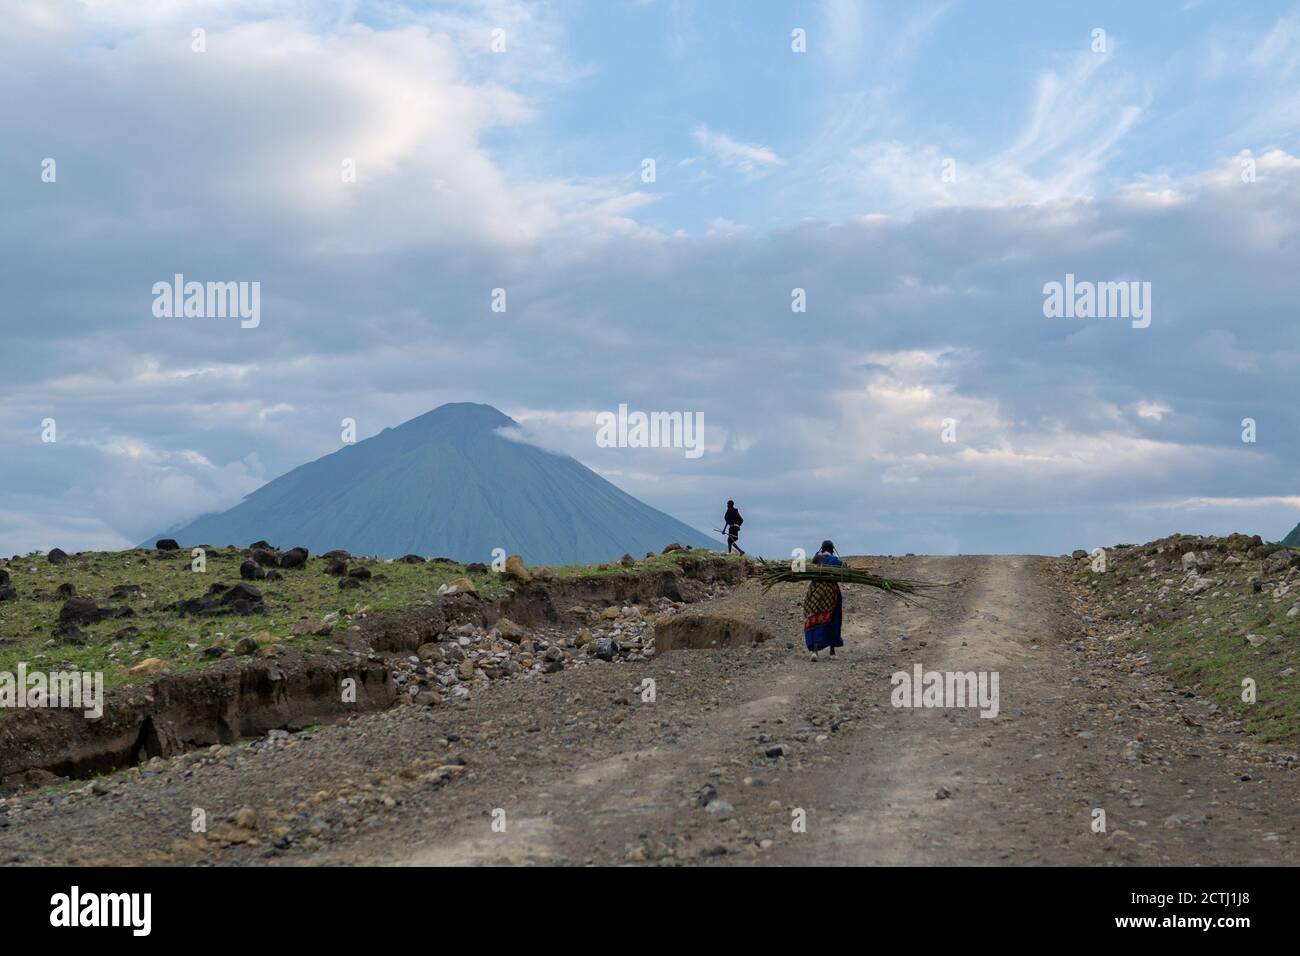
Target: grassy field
1201,640
27,625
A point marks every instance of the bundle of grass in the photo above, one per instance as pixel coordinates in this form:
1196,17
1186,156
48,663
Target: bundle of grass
906,589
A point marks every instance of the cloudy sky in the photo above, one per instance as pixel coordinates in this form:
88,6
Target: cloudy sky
920,171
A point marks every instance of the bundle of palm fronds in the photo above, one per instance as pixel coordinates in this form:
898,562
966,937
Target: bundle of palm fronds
904,588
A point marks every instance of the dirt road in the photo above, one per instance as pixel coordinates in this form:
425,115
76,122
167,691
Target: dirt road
743,756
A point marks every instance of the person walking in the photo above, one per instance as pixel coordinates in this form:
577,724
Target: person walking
823,607
732,522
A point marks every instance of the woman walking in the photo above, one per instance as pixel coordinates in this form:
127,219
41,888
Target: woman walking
823,607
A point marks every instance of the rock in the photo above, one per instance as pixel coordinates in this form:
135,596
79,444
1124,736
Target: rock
1078,554
267,559
458,586
81,611
245,647
673,547
1256,640
943,793
430,653
167,544
241,592
627,561
7,593
465,669
246,818
604,649
361,574
516,570
1278,561
348,582
4,577
314,628
476,567
1295,610
428,698
294,558
508,629
123,591
411,559
65,591
150,665
336,566
611,613
57,556
251,571
260,544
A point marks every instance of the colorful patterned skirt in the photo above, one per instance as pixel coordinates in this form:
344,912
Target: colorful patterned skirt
823,609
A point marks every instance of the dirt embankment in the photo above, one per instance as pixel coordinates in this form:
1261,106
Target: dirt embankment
291,689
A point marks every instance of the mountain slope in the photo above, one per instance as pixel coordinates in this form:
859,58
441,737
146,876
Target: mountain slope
1293,539
447,483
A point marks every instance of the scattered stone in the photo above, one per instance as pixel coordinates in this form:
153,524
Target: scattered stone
57,556
167,544
251,571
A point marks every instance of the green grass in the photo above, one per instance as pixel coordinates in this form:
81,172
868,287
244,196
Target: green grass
26,625
1202,642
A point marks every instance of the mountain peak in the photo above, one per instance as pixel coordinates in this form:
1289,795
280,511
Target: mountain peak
447,483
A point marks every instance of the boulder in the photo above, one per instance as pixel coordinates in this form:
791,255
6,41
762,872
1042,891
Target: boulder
516,570
7,593
121,592
476,567
4,577
314,628
150,665
260,544
80,611
65,591
167,544
346,583
251,571
508,629
57,556
673,547
1279,561
267,559
361,574
336,566
411,559
294,558
458,586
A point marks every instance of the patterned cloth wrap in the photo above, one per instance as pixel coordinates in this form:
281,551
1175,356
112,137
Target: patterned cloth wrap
823,609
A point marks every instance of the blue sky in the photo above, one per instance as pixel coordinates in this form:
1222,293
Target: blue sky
775,170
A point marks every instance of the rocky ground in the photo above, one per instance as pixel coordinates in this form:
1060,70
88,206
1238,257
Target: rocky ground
740,755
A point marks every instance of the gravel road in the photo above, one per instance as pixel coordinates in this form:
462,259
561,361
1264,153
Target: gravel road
743,756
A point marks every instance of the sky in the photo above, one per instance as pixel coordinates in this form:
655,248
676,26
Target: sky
916,175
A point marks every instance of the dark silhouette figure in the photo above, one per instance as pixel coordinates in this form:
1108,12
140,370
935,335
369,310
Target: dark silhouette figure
732,522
